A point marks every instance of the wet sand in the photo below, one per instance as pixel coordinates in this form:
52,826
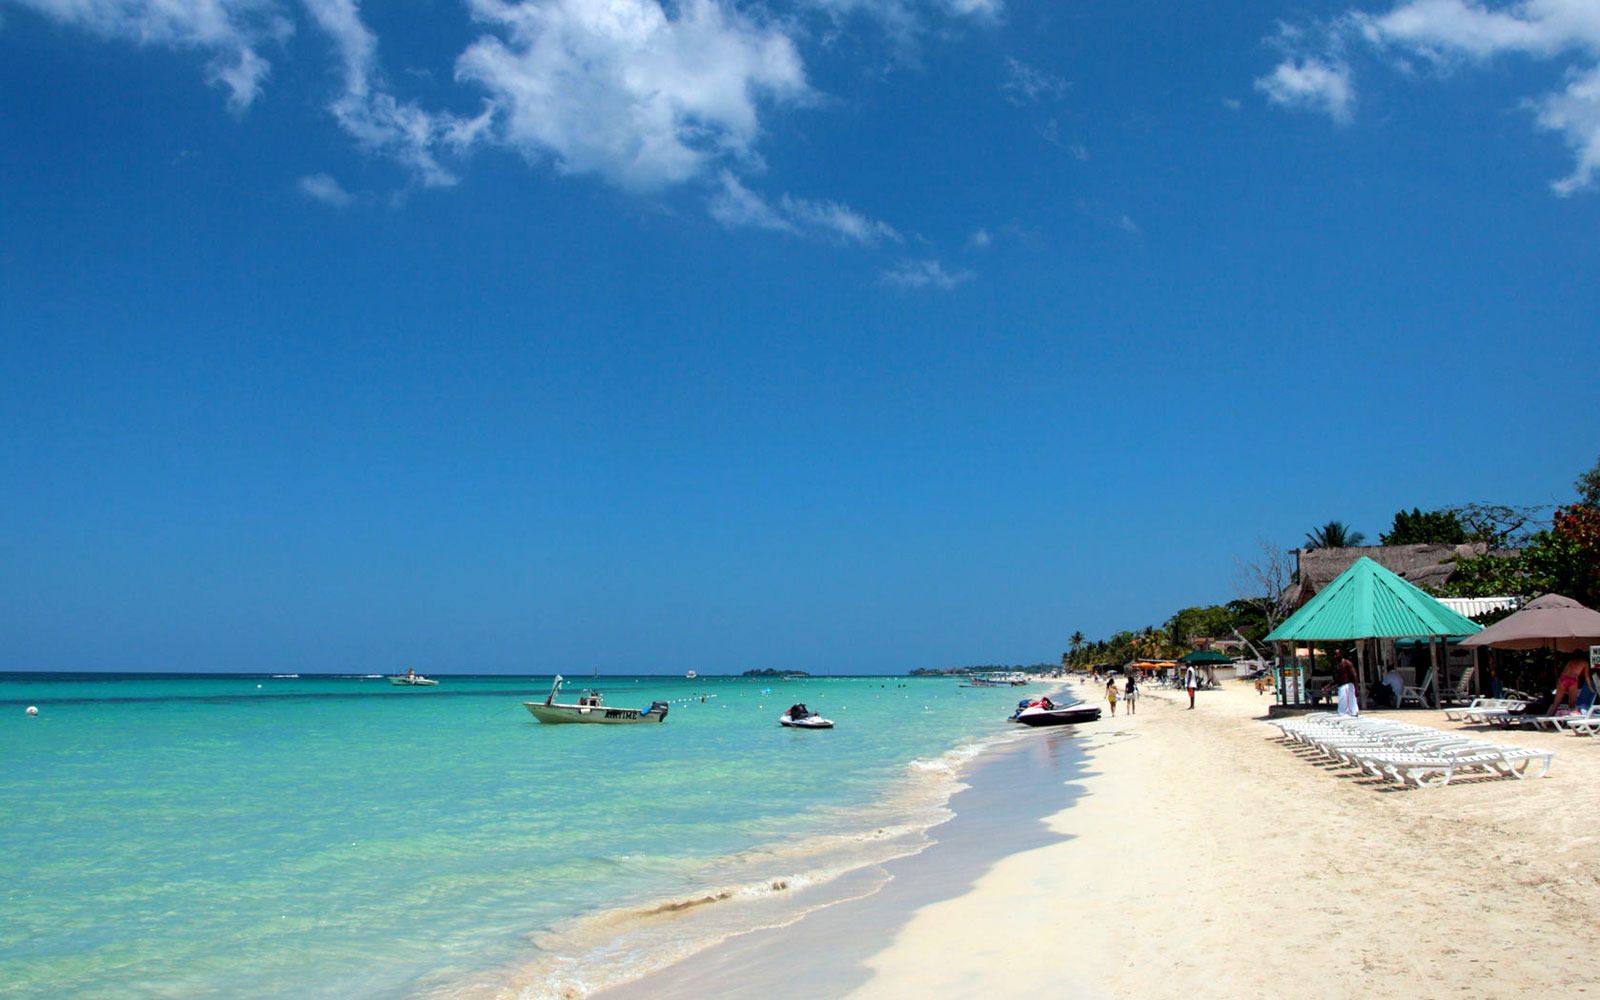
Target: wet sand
1001,812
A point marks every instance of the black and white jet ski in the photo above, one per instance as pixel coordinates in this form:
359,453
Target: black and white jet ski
1044,712
801,717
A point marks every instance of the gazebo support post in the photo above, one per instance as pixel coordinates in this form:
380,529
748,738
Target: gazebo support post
1433,653
1361,671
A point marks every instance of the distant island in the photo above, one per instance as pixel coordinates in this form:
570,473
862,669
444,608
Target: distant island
769,672
998,668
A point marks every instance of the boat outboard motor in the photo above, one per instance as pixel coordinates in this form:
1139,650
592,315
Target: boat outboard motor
658,708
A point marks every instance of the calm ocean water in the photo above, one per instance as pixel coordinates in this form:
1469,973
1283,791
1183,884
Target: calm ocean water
337,837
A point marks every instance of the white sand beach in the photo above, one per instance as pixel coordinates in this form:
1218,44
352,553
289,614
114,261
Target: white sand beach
1203,858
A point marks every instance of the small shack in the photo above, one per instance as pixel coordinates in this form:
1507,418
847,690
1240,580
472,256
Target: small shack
1363,604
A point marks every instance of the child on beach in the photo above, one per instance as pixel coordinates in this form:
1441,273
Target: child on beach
1111,694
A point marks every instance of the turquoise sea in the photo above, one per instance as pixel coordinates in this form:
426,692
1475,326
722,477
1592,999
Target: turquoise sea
183,836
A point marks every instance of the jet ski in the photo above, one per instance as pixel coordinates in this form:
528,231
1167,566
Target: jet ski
800,717
1044,712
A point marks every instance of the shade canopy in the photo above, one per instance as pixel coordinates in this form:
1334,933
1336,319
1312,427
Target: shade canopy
1205,656
1367,601
1548,621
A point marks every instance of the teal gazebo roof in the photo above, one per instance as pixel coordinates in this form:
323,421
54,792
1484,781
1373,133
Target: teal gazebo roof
1367,601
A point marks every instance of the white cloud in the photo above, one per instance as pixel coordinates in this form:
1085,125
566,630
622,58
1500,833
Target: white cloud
1310,84
321,187
1026,85
836,220
619,89
924,274
230,31
989,9
1445,33
1575,113
1452,27
737,207
980,240
375,118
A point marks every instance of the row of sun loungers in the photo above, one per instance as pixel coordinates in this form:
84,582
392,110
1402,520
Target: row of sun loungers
1509,713
1413,755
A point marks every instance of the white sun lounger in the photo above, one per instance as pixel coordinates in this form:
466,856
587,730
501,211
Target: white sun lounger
1464,713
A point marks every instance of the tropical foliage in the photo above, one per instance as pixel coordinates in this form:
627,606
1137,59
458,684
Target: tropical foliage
1562,559
1588,487
1417,528
1333,535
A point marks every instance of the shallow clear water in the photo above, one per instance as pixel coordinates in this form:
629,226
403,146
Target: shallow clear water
195,837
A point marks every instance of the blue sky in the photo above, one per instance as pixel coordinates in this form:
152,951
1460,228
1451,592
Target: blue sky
858,335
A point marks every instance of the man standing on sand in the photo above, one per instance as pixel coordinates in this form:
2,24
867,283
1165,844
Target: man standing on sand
1344,675
1190,679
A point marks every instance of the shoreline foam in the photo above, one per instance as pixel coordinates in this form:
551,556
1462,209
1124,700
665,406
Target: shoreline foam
995,814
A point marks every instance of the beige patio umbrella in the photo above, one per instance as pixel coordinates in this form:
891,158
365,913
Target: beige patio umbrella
1548,622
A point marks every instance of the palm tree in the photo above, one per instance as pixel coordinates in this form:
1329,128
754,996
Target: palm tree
1149,642
1333,535
1076,642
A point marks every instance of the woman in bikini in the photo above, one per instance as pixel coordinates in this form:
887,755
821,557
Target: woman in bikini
1573,676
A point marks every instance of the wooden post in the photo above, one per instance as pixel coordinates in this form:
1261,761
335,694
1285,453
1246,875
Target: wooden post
1433,654
1361,671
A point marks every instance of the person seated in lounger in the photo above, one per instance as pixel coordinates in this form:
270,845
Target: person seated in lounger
1574,675
1394,682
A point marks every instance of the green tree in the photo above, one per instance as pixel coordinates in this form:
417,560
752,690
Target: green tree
1190,624
1418,528
1333,535
1499,526
1588,487
1562,559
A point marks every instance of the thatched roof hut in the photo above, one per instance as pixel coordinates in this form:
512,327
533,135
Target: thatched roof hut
1428,566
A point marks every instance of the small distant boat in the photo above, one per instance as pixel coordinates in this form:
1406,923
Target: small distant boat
690,675
412,679
800,717
591,708
1037,713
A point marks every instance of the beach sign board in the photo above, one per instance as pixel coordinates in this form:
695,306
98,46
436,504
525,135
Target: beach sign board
1594,657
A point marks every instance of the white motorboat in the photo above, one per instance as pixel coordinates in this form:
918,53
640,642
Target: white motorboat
591,708
800,717
412,679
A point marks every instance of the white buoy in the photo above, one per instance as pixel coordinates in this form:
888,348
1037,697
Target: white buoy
258,687
33,709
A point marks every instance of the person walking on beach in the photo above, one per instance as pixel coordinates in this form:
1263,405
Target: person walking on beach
1190,679
1111,694
1344,675
1130,694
